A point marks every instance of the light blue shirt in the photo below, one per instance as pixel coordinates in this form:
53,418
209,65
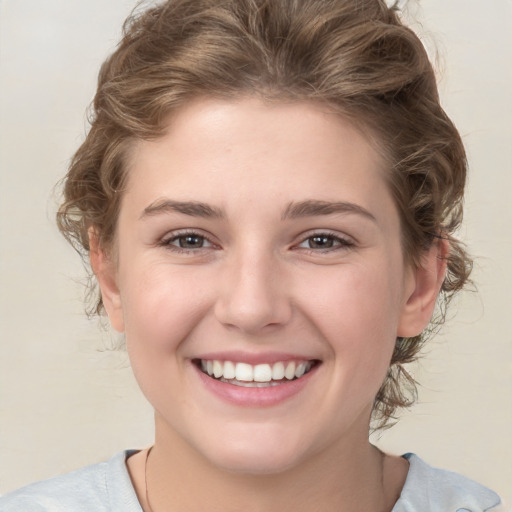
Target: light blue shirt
106,487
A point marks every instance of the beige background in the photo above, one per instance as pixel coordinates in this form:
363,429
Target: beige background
66,402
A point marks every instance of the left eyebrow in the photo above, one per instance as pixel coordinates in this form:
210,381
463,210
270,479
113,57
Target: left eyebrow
192,208
313,208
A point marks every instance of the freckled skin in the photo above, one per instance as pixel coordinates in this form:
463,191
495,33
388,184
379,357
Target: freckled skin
252,282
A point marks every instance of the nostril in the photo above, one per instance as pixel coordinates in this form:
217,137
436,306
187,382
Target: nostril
253,315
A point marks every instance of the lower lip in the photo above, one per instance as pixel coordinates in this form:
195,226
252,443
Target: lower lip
255,397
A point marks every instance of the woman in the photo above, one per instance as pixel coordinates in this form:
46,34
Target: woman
267,195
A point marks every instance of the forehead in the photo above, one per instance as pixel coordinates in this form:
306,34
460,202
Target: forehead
218,151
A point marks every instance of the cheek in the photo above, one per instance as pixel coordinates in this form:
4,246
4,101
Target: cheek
356,309
161,305
366,298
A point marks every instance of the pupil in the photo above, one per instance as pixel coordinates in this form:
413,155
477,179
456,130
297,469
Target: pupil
191,241
321,242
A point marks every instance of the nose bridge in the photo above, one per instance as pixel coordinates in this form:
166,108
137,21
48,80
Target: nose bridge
253,294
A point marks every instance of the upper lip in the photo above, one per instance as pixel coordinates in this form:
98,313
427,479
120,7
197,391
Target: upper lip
254,358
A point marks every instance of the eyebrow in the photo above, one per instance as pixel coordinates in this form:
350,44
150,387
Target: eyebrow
294,210
313,207
192,208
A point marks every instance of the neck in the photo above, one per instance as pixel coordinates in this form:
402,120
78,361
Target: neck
349,477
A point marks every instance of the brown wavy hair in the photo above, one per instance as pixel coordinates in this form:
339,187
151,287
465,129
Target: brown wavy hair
356,57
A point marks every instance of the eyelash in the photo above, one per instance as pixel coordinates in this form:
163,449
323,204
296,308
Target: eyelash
338,242
167,242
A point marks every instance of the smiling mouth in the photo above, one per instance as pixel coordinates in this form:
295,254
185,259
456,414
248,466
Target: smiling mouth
259,375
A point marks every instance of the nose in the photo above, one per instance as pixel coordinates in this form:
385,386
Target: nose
253,295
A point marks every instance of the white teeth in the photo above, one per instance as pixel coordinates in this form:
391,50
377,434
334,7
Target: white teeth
243,372
262,373
278,371
251,384
229,370
259,375
218,369
289,373
300,370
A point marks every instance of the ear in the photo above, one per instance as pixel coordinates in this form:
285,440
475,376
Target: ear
422,288
106,273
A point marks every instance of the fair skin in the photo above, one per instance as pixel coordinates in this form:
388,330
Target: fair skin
262,234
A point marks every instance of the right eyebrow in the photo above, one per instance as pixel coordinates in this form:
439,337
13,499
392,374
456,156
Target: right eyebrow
192,208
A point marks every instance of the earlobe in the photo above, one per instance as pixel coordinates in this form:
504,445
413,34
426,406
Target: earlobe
105,270
422,288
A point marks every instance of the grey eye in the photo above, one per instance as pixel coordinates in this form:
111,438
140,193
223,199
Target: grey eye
325,241
320,242
190,241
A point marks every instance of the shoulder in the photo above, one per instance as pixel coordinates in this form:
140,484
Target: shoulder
438,490
101,487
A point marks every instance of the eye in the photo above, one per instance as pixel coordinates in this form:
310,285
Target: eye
320,242
325,242
188,241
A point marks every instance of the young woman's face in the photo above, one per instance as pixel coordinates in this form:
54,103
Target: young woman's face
256,241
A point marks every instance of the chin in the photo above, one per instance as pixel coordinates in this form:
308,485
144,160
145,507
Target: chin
254,454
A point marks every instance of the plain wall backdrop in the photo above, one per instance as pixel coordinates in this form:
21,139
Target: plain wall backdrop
65,401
